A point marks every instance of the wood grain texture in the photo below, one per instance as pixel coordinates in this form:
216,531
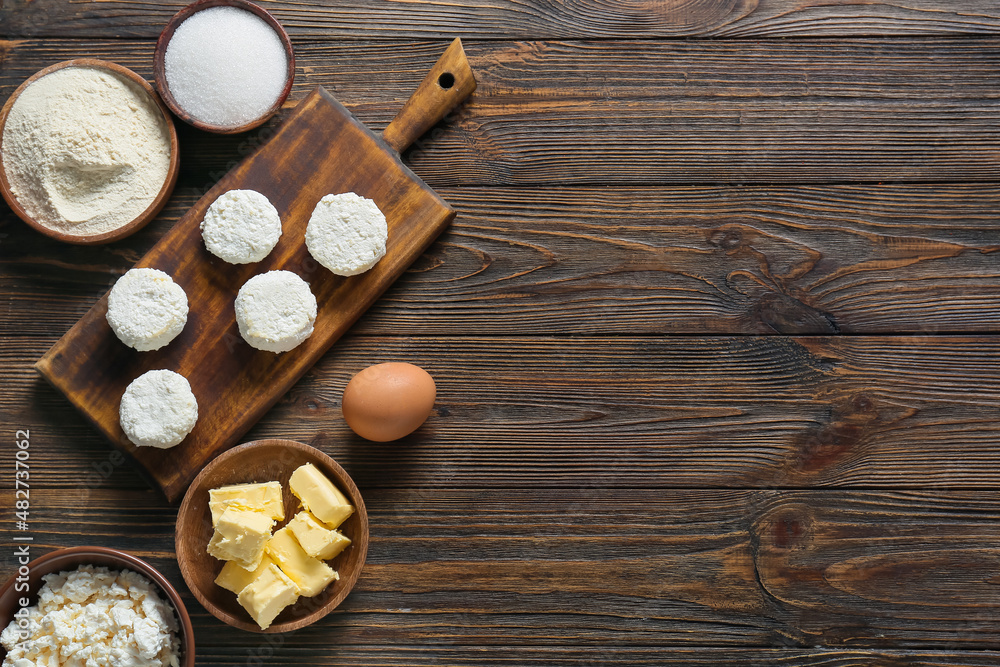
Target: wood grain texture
360,19
604,480
598,261
632,113
612,570
329,151
564,656
541,412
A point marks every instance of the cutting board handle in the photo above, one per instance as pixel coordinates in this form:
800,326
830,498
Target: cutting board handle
448,83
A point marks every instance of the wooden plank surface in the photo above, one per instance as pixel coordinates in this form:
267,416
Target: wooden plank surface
533,19
614,569
519,655
714,334
720,260
664,113
536,412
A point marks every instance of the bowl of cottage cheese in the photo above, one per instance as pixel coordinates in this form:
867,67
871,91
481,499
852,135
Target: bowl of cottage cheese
93,606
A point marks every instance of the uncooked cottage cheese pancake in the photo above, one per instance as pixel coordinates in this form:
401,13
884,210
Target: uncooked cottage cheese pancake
158,409
347,233
147,309
275,311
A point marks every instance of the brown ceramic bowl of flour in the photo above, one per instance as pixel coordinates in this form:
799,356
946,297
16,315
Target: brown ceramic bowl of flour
88,152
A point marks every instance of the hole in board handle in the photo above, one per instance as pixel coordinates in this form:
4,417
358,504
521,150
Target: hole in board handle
446,80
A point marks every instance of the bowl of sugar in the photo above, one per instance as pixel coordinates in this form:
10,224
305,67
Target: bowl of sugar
224,66
88,152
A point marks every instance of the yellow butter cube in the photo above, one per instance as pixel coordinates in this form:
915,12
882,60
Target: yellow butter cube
240,536
310,574
316,539
320,496
264,497
234,578
269,593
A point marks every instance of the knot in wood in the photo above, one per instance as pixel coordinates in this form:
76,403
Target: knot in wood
787,315
729,237
784,527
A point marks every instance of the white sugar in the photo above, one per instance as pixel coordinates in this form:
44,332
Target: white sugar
225,66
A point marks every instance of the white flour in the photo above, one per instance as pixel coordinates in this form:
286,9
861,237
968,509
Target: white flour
85,150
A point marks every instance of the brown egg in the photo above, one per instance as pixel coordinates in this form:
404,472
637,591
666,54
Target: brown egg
387,401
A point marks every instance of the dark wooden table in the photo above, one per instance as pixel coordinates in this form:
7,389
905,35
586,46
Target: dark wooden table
714,334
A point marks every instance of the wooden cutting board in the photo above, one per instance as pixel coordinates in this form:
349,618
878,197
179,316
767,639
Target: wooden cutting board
320,149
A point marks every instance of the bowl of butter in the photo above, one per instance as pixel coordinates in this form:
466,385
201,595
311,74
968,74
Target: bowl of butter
271,536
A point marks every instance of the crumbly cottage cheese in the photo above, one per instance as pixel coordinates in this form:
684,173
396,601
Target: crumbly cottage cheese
241,226
147,309
95,617
347,233
158,409
275,311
